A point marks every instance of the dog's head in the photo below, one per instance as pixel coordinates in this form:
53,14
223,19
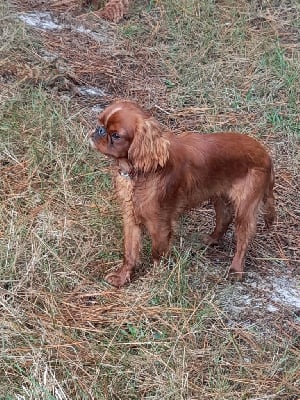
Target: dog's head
126,131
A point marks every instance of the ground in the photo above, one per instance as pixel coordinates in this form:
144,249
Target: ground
180,330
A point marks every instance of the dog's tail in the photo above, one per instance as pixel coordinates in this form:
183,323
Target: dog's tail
269,201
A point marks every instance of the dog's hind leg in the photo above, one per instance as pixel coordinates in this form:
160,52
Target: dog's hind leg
247,199
224,216
269,202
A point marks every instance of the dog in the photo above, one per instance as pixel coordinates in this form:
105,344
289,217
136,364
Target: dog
160,175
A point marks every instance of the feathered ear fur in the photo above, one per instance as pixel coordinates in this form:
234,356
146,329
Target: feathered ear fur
149,149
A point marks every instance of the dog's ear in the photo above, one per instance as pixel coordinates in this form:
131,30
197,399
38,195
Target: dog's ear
149,149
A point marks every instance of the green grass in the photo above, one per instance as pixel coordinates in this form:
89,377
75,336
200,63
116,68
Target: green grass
173,333
48,188
214,56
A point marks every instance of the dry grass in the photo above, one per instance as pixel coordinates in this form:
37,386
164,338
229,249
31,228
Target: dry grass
181,331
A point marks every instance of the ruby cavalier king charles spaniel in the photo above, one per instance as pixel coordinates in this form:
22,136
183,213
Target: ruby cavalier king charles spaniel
160,175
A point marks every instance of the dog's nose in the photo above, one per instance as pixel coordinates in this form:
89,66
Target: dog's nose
99,131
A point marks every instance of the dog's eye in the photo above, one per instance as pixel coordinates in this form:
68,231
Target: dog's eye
115,136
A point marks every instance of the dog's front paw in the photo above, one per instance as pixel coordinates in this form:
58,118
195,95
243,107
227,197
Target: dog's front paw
118,278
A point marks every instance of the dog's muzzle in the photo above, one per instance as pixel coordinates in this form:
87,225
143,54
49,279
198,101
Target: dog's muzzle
99,132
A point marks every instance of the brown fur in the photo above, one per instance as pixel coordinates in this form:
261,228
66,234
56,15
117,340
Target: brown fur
162,175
